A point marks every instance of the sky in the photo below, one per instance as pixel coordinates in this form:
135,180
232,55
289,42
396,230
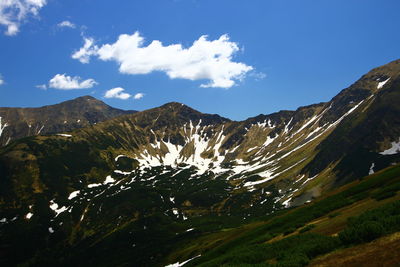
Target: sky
234,58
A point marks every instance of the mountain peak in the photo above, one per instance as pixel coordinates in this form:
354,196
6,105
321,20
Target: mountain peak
65,116
86,97
174,106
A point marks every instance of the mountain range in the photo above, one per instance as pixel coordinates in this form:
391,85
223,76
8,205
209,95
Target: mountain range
84,183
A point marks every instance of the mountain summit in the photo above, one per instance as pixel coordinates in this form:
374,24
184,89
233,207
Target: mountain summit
66,116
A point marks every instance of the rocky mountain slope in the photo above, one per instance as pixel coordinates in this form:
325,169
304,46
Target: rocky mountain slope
83,111
136,184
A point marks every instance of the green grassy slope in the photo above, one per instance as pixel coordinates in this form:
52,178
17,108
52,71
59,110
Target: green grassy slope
357,213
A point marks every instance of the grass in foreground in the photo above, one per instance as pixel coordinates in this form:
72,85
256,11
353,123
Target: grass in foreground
288,239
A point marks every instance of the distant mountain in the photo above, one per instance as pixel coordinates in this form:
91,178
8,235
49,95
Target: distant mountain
69,115
134,185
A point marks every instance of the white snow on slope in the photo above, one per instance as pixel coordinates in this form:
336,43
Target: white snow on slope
56,209
286,130
307,123
268,141
40,130
268,176
2,127
179,264
251,149
330,126
119,156
200,144
164,153
309,179
73,194
314,131
93,185
65,135
109,180
381,84
121,172
371,169
394,149
265,124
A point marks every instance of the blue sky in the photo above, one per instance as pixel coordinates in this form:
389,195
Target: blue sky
259,56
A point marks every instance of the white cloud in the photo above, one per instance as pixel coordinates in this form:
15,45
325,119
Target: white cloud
42,86
89,49
258,75
204,60
1,80
117,92
14,12
64,82
66,24
138,96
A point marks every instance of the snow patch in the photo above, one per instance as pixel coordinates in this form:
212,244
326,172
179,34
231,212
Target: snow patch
195,138
251,149
56,209
371,169
381,84
65,135
109,180
175,211
93,185
40,130
121,172
268,176
179,264
314,132
286,130
394,149
73,194
309,179
2,127
119,156
286,203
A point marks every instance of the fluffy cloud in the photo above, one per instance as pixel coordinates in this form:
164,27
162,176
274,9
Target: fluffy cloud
1,80
138,96
64,82
89,49
66,24
14,12
117,92
204,60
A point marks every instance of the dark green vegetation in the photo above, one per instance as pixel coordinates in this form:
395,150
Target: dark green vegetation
170,183
260,247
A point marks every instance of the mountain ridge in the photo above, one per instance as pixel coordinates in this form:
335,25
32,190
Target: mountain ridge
172,168
65,116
